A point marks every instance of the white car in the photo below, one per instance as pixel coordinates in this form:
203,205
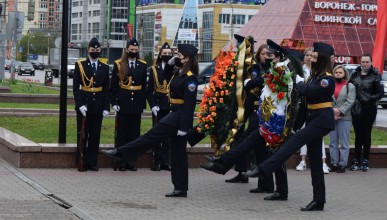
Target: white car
201,92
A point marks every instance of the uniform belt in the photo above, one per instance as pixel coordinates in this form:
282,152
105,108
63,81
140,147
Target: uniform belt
161,90
176,101
320,105
91,89
131,87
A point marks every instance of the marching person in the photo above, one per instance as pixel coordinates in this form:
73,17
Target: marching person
318,91
183,90
91,94
303,151
158,87
128,90
222,164
369,91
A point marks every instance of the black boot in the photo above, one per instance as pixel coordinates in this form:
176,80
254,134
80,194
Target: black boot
238,179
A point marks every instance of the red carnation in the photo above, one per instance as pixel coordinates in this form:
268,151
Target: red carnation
280,95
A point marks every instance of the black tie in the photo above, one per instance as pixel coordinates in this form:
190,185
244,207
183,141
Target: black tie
93,68
132,65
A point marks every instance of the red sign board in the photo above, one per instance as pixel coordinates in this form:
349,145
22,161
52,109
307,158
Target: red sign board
130,30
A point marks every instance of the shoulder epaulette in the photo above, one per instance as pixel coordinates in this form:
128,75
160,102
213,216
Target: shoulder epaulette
142,61
189,73
118,61
80,61
328,74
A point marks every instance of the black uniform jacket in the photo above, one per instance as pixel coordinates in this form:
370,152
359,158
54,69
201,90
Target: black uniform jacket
96,101
155,97
182,87
130,101
369,89
253,89
319,90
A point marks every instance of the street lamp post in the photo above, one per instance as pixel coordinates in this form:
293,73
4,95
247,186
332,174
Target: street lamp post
28,47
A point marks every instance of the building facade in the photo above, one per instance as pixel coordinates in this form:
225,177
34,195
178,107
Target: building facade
159,23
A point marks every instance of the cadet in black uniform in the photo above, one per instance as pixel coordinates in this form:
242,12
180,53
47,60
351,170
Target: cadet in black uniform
318,91
183,90
91,94
128,96
158,100
251,139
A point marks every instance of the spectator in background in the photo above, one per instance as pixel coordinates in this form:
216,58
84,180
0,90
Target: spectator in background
343,99
369,91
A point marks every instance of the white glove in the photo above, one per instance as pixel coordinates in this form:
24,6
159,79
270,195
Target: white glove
83,110
116,108
181,133
155,109
299,79
105,113
172,61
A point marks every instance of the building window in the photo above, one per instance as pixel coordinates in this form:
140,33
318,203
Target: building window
74,15
95,27
239,19
224,18
207,36
96,13
75,4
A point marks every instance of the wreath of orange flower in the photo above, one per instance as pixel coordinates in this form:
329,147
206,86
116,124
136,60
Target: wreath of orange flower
217,94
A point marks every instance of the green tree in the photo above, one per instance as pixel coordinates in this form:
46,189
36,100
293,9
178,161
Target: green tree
38,44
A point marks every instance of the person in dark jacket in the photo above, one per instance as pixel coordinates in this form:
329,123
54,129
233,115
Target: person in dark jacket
369,91
158,87
91,94
128,96
183,90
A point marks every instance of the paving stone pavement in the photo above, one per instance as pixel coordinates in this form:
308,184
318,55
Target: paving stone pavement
18,200
109,194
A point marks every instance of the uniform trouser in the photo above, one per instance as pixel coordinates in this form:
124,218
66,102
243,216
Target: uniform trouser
339,153
129,126
281,178
161,150
179,162
363,127
312,137
248,142
92,136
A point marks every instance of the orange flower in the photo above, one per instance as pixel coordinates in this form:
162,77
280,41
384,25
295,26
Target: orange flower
222,93
213,114
206,126
226,92
233,76
221,100
198,129
214,99
216,94
207,93
231,84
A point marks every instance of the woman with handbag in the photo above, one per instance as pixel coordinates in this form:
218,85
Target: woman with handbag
343,99
369,91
